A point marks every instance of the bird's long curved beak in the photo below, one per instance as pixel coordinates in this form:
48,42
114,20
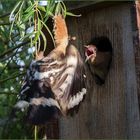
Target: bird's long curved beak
87,57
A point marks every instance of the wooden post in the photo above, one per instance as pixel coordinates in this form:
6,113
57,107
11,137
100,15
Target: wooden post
132,106
138,15
136,41
52,129
109,111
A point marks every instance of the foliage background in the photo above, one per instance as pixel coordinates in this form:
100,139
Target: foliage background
22,23
12,68
19,39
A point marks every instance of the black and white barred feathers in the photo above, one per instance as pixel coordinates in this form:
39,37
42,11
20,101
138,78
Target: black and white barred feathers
55,84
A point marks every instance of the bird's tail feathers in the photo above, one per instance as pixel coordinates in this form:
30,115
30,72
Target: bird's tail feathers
39,103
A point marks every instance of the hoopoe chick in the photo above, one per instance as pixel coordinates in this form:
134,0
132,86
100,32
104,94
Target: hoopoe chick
98,57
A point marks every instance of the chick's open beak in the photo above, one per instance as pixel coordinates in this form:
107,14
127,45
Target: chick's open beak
90,52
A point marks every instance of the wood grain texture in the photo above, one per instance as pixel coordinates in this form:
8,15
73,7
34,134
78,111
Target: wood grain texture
111,110
136,42
132,109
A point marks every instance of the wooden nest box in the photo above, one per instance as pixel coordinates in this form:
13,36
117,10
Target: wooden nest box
112,110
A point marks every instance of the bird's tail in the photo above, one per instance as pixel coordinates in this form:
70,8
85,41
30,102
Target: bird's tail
36,97
38,102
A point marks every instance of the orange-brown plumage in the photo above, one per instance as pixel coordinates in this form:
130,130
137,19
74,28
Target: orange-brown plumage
60,31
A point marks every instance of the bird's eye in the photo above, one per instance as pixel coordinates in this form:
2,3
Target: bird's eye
95,49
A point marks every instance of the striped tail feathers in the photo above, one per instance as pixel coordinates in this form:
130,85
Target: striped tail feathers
42,110
60,31
39,102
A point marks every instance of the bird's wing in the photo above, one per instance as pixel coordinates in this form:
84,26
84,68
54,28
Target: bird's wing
69,88
78,87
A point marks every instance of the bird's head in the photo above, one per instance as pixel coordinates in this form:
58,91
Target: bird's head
90,52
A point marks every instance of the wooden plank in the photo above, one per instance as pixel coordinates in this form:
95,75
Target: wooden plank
136,41
109,111
132,109
79,4
138,13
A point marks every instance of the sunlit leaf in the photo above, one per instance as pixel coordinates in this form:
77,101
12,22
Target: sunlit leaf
30,8
42,8
27,16
71,14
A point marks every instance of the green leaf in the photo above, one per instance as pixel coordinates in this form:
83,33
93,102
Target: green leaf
50,8
48,31
41,8
1,65
30,8
27,36
39,25
64,9
14,9
37,34
22,30
58,9
26,17
22,26
44,39
71,14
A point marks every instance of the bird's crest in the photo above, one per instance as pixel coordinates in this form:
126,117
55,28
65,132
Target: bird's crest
60,31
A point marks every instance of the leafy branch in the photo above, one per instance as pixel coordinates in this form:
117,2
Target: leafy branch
35,15
12,49
11,77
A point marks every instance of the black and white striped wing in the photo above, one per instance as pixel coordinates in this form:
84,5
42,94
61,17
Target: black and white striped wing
70,89
78,89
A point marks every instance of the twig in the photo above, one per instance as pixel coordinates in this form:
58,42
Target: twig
36,22
6,40
35,132
12,54
2,24
8,92
5,67
5,15
11,77
12,49
14,66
